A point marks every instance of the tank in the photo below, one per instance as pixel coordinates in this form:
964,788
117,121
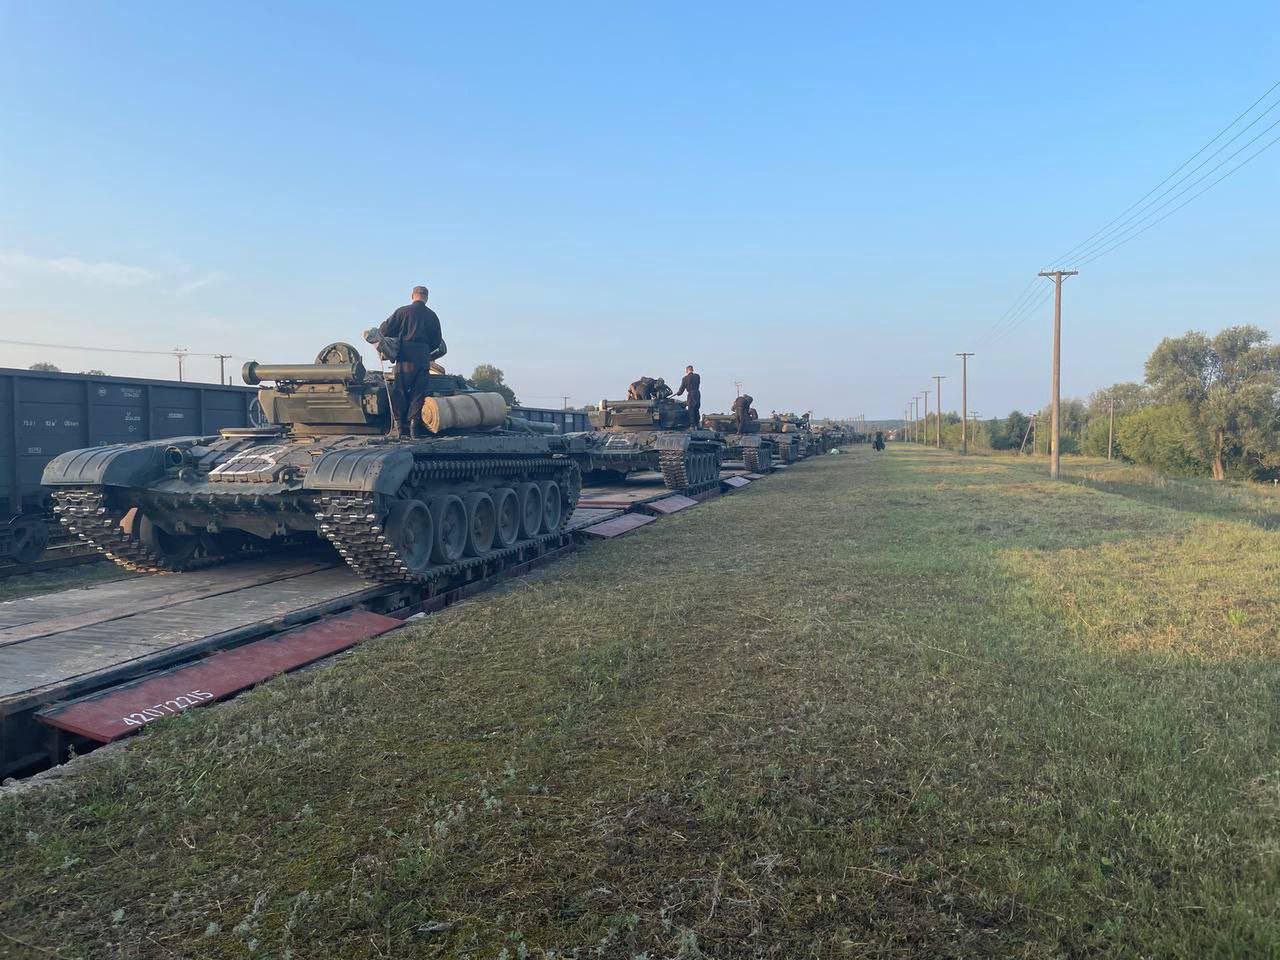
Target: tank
756,451
631,436
325,467
792,434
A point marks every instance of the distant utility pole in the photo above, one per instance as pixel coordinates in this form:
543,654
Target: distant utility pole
925,437
964,400
1029,432
181,354
222,366
938,436
737,385
1054,424
566,402
974,415
1111,422
914,432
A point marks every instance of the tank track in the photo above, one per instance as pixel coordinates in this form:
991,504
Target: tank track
757,460
675,464
85,514
352,522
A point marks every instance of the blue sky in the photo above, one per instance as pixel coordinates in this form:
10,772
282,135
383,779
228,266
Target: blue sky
824,201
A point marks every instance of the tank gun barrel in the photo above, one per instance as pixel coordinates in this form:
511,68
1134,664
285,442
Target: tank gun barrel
255,373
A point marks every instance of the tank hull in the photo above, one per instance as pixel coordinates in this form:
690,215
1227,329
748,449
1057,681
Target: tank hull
689,461
194,501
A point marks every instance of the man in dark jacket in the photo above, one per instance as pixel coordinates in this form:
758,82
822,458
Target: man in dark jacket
641,389
417,328
692,385
742,411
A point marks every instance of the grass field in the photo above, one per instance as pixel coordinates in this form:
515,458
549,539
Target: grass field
906,705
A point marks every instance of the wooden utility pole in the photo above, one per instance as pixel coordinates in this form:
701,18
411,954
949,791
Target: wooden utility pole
964,400
222,366
1111,422
1029,432
181,354
938,435
974,420
1054,424
926,415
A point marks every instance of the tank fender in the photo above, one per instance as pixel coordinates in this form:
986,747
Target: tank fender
678,442
367,469
117,465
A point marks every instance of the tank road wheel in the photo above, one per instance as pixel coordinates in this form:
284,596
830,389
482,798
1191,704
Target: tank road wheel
482,524
552,506
30,537
174,550
530,497
450,518
506,507
410,531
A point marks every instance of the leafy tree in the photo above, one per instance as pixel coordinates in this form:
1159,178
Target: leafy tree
490,378
45,367
1228,386
1128,398
1008,434
1162,436
95,373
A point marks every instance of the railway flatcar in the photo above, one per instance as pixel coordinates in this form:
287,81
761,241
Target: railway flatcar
44,414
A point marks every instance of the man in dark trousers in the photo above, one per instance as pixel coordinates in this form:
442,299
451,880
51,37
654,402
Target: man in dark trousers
692,385
641,389
742,411
417,328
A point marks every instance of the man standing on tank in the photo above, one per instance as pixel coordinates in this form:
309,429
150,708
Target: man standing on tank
742,411
417,328
692,385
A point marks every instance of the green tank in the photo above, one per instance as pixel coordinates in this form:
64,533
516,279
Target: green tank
792,434
631,436
756,451
786,437
324,467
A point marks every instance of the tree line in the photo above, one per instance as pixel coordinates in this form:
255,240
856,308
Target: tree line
1207,406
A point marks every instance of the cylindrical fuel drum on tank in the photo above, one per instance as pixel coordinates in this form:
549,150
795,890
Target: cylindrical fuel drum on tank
464,411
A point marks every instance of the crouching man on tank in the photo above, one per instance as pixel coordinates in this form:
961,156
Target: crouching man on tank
417,329
742,412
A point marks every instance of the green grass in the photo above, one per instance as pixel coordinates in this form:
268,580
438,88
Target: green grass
882,706
63,578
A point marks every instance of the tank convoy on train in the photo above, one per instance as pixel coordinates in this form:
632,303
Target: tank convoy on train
323,460
477,492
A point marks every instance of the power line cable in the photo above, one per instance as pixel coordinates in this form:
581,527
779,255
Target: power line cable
68,346
1138,216
1244,113
1242,163
1133,220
